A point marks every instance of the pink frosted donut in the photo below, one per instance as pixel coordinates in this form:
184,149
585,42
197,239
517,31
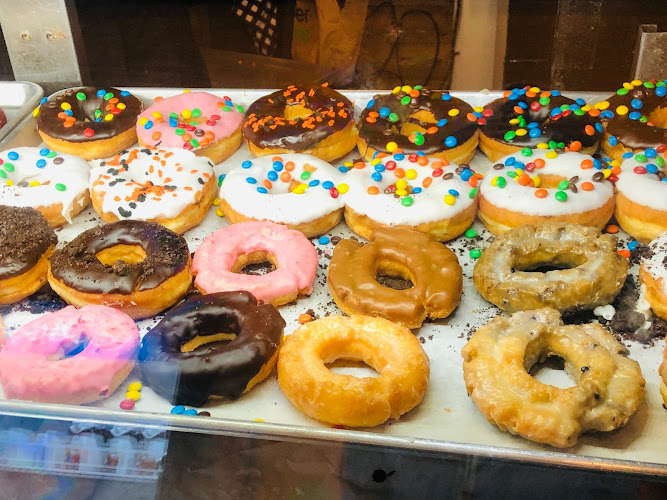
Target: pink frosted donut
201,122
72,356
223,254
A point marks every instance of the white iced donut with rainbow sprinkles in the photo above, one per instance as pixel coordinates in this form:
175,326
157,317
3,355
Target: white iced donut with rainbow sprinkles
538,185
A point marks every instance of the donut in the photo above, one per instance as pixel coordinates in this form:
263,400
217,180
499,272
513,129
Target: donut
532,118
223,254
138,267
586,271
71,356
185,376
300,191
653,275
497,360
89,122
3,118
641,194
534,186
418,120
170,186
54,184
338,399
26,244
416,192
203,123
301,119
432,268
635,118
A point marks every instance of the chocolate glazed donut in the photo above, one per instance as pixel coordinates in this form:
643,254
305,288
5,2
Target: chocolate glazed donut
190,378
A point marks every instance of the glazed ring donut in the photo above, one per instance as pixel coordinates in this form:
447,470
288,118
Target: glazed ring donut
635,118
297,190
170,186
535,186
530,117
223,254
198,121
138,267
26,244
641,194
418,120
311,120
71,356
185,376
588,270
89,122
433,269
338,399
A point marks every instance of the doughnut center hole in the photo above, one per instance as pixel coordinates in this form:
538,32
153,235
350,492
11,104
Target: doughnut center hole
393,275
296,111
132,254
550,181
544,263
255,263
71,348
417,122
352,367
201,342
551,371
658,117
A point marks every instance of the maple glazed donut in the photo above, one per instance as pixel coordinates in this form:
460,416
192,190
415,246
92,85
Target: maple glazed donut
138,267
433,269
54,184
415,119
588,270
496,361
89,122
416,192
171,186
201,122
339,399
185,376
532,118
311,120
26,244
534,186
635,118
71,356
221,256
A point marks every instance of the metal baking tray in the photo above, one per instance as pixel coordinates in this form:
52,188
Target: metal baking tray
18,100
447,421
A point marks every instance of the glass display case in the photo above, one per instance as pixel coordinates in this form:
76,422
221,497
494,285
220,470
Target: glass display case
332,249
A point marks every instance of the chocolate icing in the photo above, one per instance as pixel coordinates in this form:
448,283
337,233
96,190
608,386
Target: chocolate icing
84,112
266,126
25,236
190,378
382,131
78,267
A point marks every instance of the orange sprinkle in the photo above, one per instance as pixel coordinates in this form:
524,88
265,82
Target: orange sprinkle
624,253
374,114
436,164
414,93
587,186
331,123
472,182
427,182
167,179
575,146
158,98
156,136
68,124
188,188
589,130
422,160
116,198
523,179
285,177
370,119
431,130
277,158
539,163
373,190
586,164
186,137
471,117
204,143
612,229
113,100
530,94
62,115
305,318
399,172
109,107
518,110
359,164
268,184
209,135
541,193
289,166
615,170
325,84
594,112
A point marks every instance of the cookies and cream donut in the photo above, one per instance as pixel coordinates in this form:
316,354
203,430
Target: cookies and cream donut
298,190
411,191
171,186
55,184
538,185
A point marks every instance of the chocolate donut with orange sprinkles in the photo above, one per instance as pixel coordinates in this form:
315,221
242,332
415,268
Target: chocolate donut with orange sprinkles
418,120
301,119
532,118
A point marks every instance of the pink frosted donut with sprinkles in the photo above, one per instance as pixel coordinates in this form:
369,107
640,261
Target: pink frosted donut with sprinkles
413,191
538,185
641,194
201,122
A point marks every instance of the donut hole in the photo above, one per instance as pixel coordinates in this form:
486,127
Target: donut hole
658,117
544,363
393,275
352,367
543,262
296,111
132,254
551,181
213,341
353,358
417,122
255,263
70,348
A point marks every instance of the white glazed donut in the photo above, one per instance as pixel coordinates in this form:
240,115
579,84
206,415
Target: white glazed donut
56,184
641,194
417,192
297,190
537,185
171,186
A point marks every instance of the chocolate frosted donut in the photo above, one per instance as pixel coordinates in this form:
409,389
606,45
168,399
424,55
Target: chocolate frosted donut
189,376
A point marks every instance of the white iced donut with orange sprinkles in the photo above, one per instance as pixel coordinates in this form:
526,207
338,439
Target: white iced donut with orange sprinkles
171,186
537,185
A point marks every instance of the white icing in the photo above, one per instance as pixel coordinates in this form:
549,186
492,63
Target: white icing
427,206
656,265
280,204
522,199
644,189
72,173
181,171
607,312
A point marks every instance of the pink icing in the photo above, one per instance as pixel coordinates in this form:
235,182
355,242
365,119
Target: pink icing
296,260
213,119
30,364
